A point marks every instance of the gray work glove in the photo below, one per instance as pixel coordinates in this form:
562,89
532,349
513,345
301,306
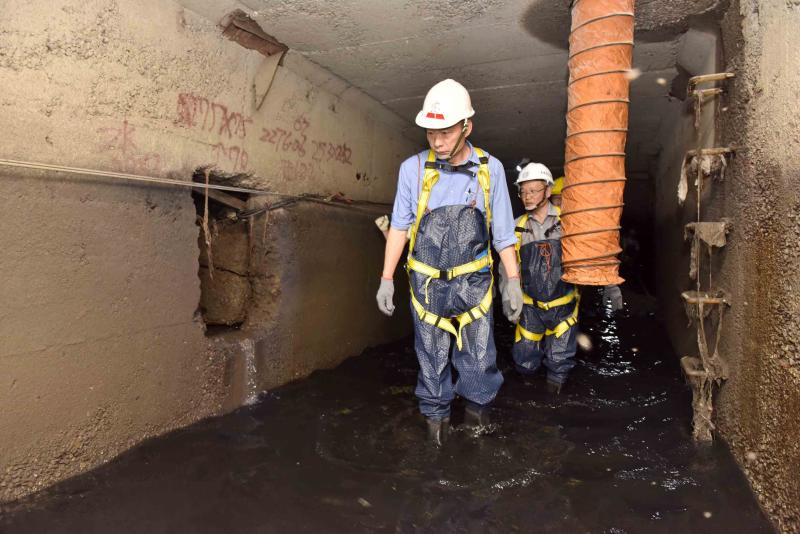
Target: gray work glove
612,296
502,281
384,297
382,223
511,293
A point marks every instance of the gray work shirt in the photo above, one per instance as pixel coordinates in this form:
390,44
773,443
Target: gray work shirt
536,230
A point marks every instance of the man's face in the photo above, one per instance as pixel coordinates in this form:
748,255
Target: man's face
443,141
532,193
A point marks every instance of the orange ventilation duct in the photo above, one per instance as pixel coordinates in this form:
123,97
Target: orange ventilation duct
600,52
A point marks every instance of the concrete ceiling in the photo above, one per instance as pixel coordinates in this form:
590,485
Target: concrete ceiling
510,54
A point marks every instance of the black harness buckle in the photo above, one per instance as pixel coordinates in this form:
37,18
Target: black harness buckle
465,168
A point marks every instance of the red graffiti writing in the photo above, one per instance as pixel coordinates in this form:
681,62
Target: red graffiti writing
301,124
296,170
288,141
296,140
284,140
198,112
324,151
120,143
236,156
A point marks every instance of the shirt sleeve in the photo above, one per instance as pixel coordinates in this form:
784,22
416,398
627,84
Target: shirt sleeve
502,215
402,212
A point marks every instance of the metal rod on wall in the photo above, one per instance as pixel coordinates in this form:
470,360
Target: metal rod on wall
165,181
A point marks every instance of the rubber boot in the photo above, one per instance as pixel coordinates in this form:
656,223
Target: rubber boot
437,430
476,415
554,388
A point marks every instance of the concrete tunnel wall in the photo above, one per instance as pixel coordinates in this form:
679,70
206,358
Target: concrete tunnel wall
756,409
101,345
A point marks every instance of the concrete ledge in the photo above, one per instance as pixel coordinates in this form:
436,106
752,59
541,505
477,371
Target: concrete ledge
314,295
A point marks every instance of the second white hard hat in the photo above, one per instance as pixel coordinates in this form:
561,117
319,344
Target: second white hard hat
535,171
446,103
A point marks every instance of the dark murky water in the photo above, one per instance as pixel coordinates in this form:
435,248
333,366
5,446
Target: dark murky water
344,451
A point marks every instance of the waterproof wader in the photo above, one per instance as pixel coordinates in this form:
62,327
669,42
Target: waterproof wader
546,329
450,274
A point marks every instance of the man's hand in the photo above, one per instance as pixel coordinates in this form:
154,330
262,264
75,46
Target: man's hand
612,296
512,299
382,223
385,296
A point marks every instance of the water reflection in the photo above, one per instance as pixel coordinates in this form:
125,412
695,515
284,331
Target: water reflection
344,451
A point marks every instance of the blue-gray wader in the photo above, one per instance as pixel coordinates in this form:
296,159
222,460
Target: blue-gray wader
546,329
449,267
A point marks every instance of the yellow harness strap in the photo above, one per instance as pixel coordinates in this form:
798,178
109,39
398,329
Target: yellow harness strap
520,226
485,182
462,320
428,181
563,326
566,299
527,299
448,274
560,329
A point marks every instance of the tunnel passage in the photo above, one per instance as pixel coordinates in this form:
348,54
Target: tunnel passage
101,344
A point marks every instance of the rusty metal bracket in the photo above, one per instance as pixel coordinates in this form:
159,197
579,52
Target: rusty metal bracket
717,151
712,298
694,81
709,369
703,96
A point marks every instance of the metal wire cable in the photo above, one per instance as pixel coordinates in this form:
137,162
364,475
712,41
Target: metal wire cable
169,181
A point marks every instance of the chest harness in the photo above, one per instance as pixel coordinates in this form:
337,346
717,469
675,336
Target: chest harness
447,323
562,327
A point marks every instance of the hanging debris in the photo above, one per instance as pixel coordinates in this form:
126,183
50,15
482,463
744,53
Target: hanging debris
206,231
702,398
709,234
711,162
709,369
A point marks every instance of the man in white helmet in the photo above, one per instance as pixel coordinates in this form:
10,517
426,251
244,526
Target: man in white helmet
546,329
450,197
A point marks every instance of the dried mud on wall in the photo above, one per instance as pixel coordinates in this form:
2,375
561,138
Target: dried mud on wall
101,346
756,409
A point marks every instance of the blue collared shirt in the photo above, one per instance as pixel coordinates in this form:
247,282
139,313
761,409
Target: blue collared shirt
453,189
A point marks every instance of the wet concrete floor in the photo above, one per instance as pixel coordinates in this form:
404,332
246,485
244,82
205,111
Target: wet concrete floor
344,451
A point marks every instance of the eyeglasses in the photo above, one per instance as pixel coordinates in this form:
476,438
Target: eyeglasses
531,192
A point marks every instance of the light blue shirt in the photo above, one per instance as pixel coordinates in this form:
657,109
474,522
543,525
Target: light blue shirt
454,189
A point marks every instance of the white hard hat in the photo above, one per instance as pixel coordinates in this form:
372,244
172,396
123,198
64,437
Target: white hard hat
535,171
446,103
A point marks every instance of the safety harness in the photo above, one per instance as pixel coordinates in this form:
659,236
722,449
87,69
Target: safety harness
562,327
446,323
